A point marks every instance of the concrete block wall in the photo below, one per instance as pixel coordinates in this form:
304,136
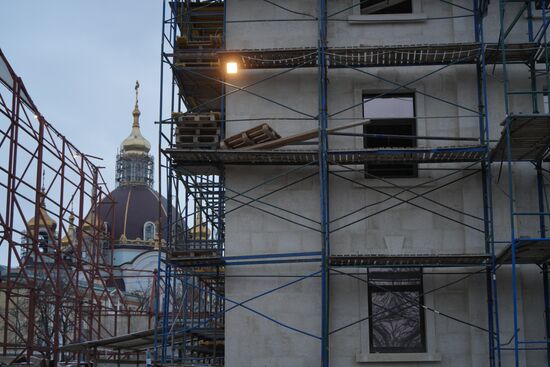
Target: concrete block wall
254,340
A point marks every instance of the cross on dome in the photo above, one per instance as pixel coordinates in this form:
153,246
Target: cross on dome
135,143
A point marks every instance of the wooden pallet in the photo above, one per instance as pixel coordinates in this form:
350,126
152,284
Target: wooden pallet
215,41
197,53
209,128
197,130
184,118
197,142
256,135
197,124
198,139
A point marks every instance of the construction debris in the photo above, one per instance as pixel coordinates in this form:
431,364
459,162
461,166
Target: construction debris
256,135
298,138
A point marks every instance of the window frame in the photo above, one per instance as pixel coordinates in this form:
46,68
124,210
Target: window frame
398,288
362,8
414,142
154,230
417,16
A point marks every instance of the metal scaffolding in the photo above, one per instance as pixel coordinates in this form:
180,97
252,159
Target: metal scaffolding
522,140
57,287
194,50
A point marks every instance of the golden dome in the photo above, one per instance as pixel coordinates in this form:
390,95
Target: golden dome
135,143
90,221
44,221
200,230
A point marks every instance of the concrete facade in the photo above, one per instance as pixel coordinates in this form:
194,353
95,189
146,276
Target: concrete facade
253,340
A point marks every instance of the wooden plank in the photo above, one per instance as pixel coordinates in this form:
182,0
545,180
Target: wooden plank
310,134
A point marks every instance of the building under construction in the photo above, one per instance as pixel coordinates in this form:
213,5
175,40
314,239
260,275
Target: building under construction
371,179
350,183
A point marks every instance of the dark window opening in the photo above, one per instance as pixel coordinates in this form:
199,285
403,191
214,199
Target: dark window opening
392,118
397,321
386,7
538,4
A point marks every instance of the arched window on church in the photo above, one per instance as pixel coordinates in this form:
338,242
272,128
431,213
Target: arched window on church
149,231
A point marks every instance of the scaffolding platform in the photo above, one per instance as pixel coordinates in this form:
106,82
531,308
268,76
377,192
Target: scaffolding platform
374,56
199,19
195,261
133,341
528,251
145,339
191,157
529,135
200,87
418,260
208,333
199,71
196,247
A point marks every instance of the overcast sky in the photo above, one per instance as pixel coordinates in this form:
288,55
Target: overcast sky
79,61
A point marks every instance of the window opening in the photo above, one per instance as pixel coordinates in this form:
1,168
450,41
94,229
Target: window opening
387,7
392,114
397,320
148,231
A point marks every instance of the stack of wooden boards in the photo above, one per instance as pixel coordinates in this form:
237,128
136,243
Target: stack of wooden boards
256,135
214,41
200,53
197,130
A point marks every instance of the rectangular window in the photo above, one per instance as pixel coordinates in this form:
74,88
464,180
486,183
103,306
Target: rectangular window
387,7
396,317
392,119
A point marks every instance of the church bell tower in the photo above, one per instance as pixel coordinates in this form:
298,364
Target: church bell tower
134,165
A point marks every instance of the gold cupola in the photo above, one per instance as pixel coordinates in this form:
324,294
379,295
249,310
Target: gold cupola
135,143
200,230
70,237
134,164
44,220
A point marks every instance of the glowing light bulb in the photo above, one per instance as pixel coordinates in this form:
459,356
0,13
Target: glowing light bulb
232,68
